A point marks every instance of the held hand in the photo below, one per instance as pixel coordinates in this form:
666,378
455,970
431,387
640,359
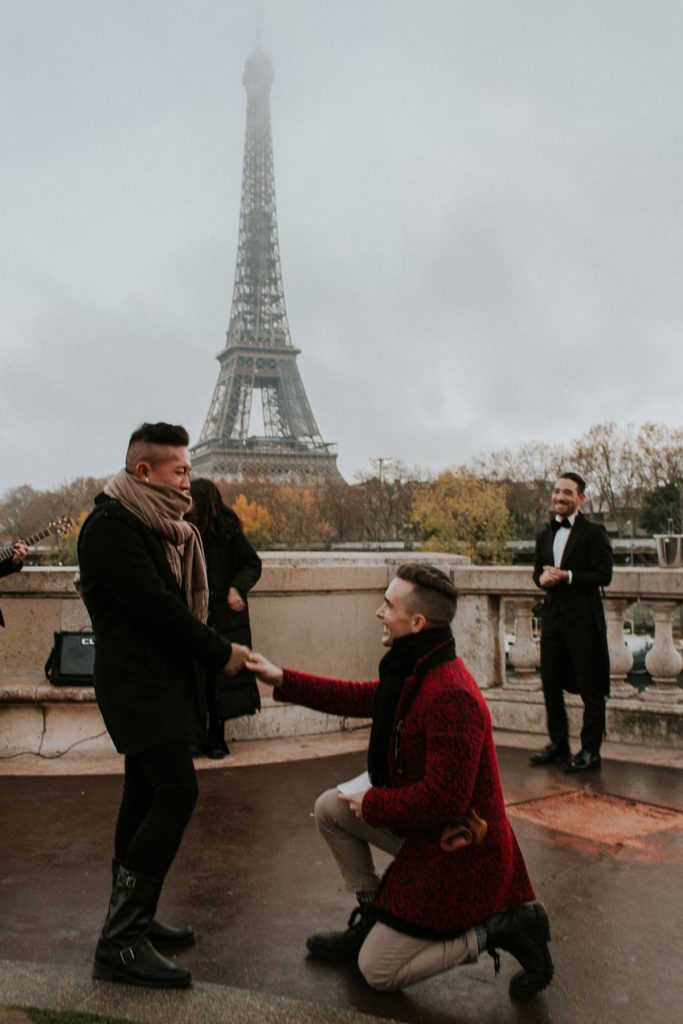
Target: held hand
237,660
19,553
355,802
551,576
264,669
236,602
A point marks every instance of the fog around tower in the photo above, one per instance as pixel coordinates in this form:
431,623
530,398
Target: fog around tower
478,208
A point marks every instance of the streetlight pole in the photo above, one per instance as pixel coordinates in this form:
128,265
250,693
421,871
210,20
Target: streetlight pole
381,463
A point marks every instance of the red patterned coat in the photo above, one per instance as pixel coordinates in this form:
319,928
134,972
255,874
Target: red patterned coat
442,761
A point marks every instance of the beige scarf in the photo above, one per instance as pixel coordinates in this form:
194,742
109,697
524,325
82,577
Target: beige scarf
162,508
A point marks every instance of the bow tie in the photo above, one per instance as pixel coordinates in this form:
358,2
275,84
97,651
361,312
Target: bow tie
559,523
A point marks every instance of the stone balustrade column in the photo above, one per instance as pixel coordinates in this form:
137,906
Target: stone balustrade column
663,661
477,628
620,657
524,653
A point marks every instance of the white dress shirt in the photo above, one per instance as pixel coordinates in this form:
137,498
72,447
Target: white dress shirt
560,541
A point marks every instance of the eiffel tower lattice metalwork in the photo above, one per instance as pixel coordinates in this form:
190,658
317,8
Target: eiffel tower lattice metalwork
259,355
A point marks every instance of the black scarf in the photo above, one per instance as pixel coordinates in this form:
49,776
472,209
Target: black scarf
430,647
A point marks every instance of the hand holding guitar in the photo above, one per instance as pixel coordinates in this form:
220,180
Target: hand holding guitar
17,551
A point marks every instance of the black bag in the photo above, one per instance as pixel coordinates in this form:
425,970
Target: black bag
72,660
237,696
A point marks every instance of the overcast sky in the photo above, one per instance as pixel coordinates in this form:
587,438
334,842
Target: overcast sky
479,205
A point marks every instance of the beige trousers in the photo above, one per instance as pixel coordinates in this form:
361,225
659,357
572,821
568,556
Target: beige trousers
388,959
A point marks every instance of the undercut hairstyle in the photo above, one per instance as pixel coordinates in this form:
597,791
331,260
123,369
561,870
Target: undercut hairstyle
578,480
434,596
148,442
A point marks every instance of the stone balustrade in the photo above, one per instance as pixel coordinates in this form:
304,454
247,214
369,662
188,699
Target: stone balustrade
515,699
483,591
315,611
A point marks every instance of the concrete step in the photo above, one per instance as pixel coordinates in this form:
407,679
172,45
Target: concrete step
62,987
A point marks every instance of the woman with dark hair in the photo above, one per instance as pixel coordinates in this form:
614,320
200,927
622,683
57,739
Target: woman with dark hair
232,567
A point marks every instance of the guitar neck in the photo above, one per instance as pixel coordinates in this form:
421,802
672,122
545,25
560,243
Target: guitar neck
6,553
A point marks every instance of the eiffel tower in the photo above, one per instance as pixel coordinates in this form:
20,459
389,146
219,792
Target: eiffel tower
259,355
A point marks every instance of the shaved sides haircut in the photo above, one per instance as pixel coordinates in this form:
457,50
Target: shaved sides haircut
434,595
149,441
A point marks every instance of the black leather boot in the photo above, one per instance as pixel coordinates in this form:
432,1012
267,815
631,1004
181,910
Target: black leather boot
162,936
345,945
523,931
124,951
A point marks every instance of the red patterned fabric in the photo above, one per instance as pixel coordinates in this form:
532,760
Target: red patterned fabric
443,761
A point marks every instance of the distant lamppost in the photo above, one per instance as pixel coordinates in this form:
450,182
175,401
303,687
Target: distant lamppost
381,463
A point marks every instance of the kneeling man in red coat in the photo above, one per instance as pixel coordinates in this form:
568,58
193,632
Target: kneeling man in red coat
433,775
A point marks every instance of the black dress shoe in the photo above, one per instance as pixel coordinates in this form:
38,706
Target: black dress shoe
583,762
217,751
552,754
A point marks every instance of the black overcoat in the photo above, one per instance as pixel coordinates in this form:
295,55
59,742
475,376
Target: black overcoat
147,640
6,569
230,562
577,606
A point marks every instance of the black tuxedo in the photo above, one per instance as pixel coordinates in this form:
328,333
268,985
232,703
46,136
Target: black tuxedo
574,653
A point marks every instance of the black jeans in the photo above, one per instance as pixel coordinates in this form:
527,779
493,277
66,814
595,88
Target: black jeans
159,795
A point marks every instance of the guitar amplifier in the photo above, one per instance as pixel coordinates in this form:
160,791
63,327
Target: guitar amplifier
72,660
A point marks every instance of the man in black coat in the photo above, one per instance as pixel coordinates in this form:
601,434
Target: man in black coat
143,581
573,561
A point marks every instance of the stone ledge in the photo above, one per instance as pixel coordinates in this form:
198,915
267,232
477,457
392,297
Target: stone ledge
629,720
38,718
34,689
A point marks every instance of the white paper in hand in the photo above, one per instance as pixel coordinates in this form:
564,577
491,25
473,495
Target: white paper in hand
357,785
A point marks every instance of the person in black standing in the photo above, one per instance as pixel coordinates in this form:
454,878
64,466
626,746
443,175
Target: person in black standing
573,561
233,567
15,563
143,581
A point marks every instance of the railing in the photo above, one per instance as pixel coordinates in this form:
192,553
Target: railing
480,628
315,611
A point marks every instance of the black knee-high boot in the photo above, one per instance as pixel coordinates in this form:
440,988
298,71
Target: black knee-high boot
124,951
162,936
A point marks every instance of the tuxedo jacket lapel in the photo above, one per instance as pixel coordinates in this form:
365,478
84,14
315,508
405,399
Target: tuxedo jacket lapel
548,538
574,538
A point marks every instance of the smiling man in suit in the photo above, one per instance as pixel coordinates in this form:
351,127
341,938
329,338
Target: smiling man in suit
573,561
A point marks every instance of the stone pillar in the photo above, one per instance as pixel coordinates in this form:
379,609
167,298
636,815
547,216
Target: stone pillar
476,629
663,661
620,657
524,653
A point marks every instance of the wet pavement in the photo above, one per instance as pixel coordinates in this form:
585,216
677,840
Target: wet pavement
254,879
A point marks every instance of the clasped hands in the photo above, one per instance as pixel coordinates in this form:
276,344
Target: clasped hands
243,657
551,576
239,655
